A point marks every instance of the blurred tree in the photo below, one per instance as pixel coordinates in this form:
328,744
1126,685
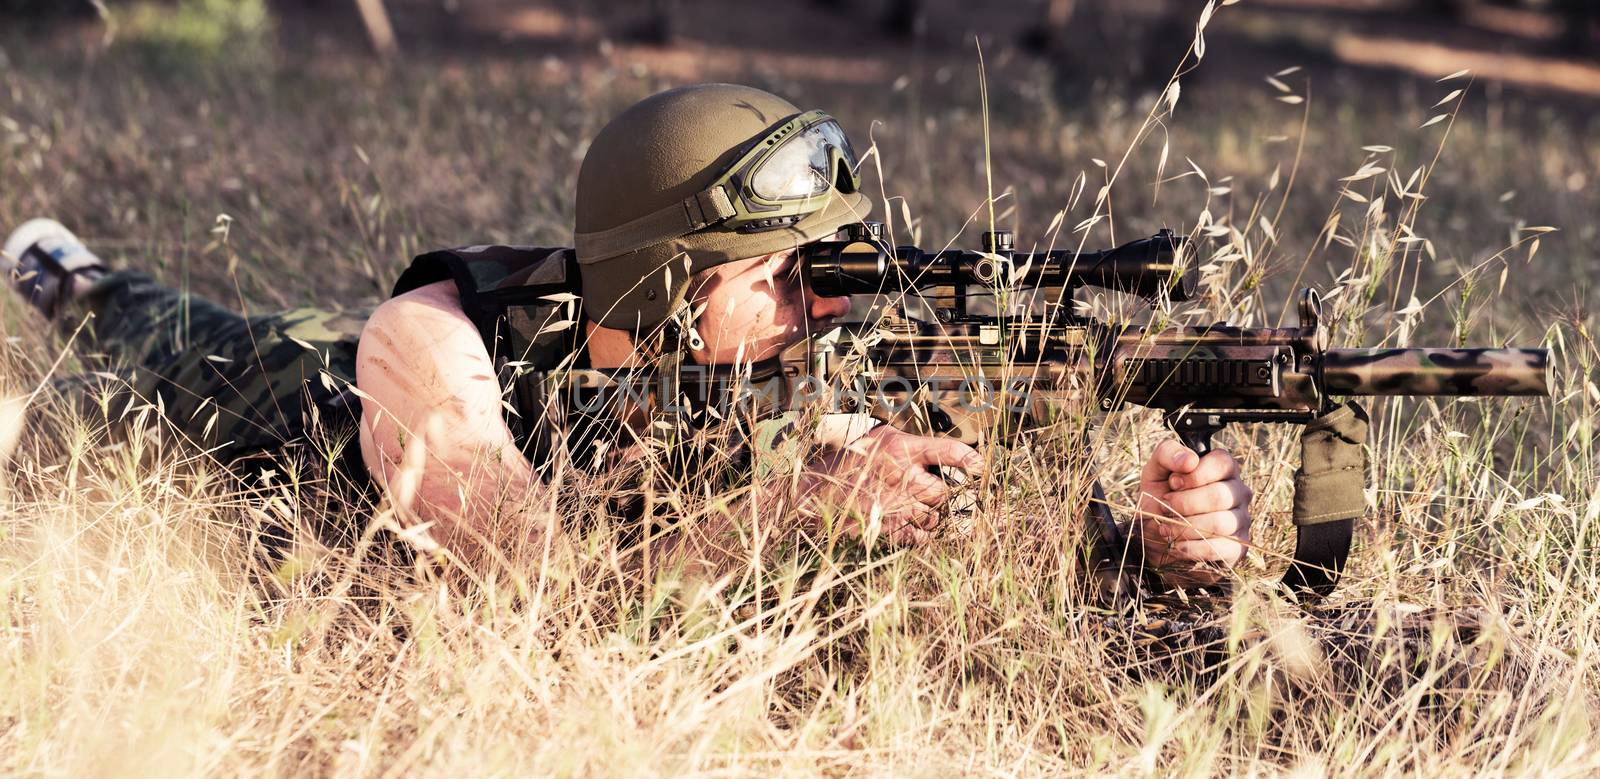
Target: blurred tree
902,19
1137,45
380,32
656,27
1449,9
1581,16
46,8
1047,34
1578,17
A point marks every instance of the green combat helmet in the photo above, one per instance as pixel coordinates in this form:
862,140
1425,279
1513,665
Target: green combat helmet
696,177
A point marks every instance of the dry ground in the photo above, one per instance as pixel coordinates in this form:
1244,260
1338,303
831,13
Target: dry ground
138,635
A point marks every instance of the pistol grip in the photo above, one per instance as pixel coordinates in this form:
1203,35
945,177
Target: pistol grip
1195,430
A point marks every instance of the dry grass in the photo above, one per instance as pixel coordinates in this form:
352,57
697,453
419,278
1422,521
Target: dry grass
139,634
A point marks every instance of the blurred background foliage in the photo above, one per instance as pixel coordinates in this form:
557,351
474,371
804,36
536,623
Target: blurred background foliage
153,115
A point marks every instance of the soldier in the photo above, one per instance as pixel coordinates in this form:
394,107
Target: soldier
689,208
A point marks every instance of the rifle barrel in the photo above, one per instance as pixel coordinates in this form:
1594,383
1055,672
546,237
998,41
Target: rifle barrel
1495,372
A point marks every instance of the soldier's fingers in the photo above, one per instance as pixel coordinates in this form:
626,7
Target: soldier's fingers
1217,524
1223,550
1217,496
1153,502
1217,465
1169,457
909,534
910,516
949,453
924,487
926,517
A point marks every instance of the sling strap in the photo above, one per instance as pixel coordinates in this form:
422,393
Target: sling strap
1329,494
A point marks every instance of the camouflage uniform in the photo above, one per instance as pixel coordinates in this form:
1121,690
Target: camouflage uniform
242,389
255,391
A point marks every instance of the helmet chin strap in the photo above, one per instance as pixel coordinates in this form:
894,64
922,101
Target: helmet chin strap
664,354
668,337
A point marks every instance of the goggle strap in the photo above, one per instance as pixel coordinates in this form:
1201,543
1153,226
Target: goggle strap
697,212
708,207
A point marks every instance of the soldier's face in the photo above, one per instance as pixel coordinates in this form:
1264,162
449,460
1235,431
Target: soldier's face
760,304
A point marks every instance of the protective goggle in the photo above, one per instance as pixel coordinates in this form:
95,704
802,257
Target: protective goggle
781,177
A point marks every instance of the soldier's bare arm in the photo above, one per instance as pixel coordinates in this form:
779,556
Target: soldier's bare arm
431,427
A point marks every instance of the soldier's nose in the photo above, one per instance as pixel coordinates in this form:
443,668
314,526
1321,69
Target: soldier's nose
822,307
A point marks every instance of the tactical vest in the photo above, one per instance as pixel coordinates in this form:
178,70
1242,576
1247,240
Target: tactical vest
524,303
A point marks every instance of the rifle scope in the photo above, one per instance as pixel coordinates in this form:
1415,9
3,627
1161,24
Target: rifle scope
861,265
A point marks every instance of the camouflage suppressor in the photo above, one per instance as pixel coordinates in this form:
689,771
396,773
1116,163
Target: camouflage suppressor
1500,372
1207,377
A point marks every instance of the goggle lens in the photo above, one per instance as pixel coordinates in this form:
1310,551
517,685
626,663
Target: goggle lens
803,165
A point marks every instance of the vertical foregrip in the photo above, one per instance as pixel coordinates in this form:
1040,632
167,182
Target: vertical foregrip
1436,371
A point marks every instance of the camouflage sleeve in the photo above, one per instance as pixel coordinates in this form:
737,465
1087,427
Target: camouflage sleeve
231,384
777,446
780,444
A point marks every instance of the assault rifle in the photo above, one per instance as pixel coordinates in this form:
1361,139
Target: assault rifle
933,359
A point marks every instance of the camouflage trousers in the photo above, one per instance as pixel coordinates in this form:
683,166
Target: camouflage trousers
239,388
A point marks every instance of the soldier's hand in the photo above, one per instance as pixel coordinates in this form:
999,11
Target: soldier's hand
887,471
1194,514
